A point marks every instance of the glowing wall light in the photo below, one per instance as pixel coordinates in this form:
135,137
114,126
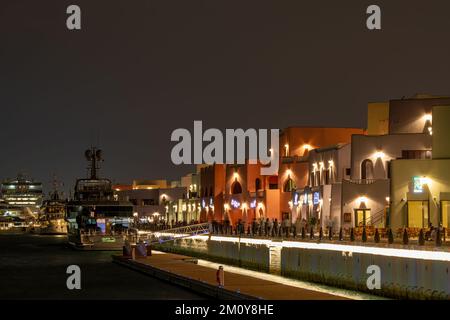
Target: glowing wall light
362,199
379,154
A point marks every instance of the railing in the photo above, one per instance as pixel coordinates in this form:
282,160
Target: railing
375,219
175,233
361,181
257,194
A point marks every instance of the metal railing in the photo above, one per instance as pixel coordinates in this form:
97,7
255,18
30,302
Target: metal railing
175,233
375,219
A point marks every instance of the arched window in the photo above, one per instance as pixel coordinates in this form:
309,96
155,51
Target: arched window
289,185
236,188
367,169
258,184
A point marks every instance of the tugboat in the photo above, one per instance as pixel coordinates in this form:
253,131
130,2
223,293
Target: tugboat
53,213
96,219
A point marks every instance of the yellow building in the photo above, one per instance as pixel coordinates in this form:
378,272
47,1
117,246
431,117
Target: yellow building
378,118
420,188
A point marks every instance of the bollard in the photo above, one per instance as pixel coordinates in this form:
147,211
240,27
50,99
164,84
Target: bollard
390,236
376,237
133,253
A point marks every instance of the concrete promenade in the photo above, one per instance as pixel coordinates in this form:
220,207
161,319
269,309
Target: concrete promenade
184,266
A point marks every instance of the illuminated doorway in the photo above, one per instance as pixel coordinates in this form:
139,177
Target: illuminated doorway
362,217
418,216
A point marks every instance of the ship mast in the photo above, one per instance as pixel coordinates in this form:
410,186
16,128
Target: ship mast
94,156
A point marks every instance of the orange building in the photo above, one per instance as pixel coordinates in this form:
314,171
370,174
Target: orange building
212,187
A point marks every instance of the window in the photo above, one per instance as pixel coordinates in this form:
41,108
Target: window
273,182
327,176
416,154
236,188
313,179
367,169
348,171
289,185
257,184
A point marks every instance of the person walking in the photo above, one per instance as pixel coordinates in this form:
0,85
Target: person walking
276,227
270,227
220,277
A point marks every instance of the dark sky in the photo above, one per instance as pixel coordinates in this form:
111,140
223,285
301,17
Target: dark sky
140,69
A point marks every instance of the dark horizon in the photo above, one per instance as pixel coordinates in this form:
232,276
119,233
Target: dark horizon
137,71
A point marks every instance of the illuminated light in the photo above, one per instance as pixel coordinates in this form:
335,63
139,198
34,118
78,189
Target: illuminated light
428,117
388,199
321,165
290,203
296,198
117,189
390,252
156,213
419,182
226,206
307,147
236,175
362,199
286,146
203,203
244,206
330,163
314,166
288,172
379,154
235,204
260,204
135,214
253,203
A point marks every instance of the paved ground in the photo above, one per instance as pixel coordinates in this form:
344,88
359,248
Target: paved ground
245,284
34,267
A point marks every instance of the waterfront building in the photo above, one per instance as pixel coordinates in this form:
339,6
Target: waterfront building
366,195
249,195
212,190
296,170
420,188
145,200
190,204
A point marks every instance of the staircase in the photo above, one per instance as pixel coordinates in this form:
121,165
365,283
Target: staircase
376,219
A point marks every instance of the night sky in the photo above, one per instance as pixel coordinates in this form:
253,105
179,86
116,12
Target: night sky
140,69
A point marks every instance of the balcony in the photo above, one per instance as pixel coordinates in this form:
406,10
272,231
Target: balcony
258,194
362,181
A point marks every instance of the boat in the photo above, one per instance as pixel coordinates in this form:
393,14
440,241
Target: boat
20,201
52,217
96,219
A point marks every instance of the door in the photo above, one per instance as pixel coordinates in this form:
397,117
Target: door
362,217
418,214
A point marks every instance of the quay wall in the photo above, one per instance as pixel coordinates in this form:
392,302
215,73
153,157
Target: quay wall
255,257
404,278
